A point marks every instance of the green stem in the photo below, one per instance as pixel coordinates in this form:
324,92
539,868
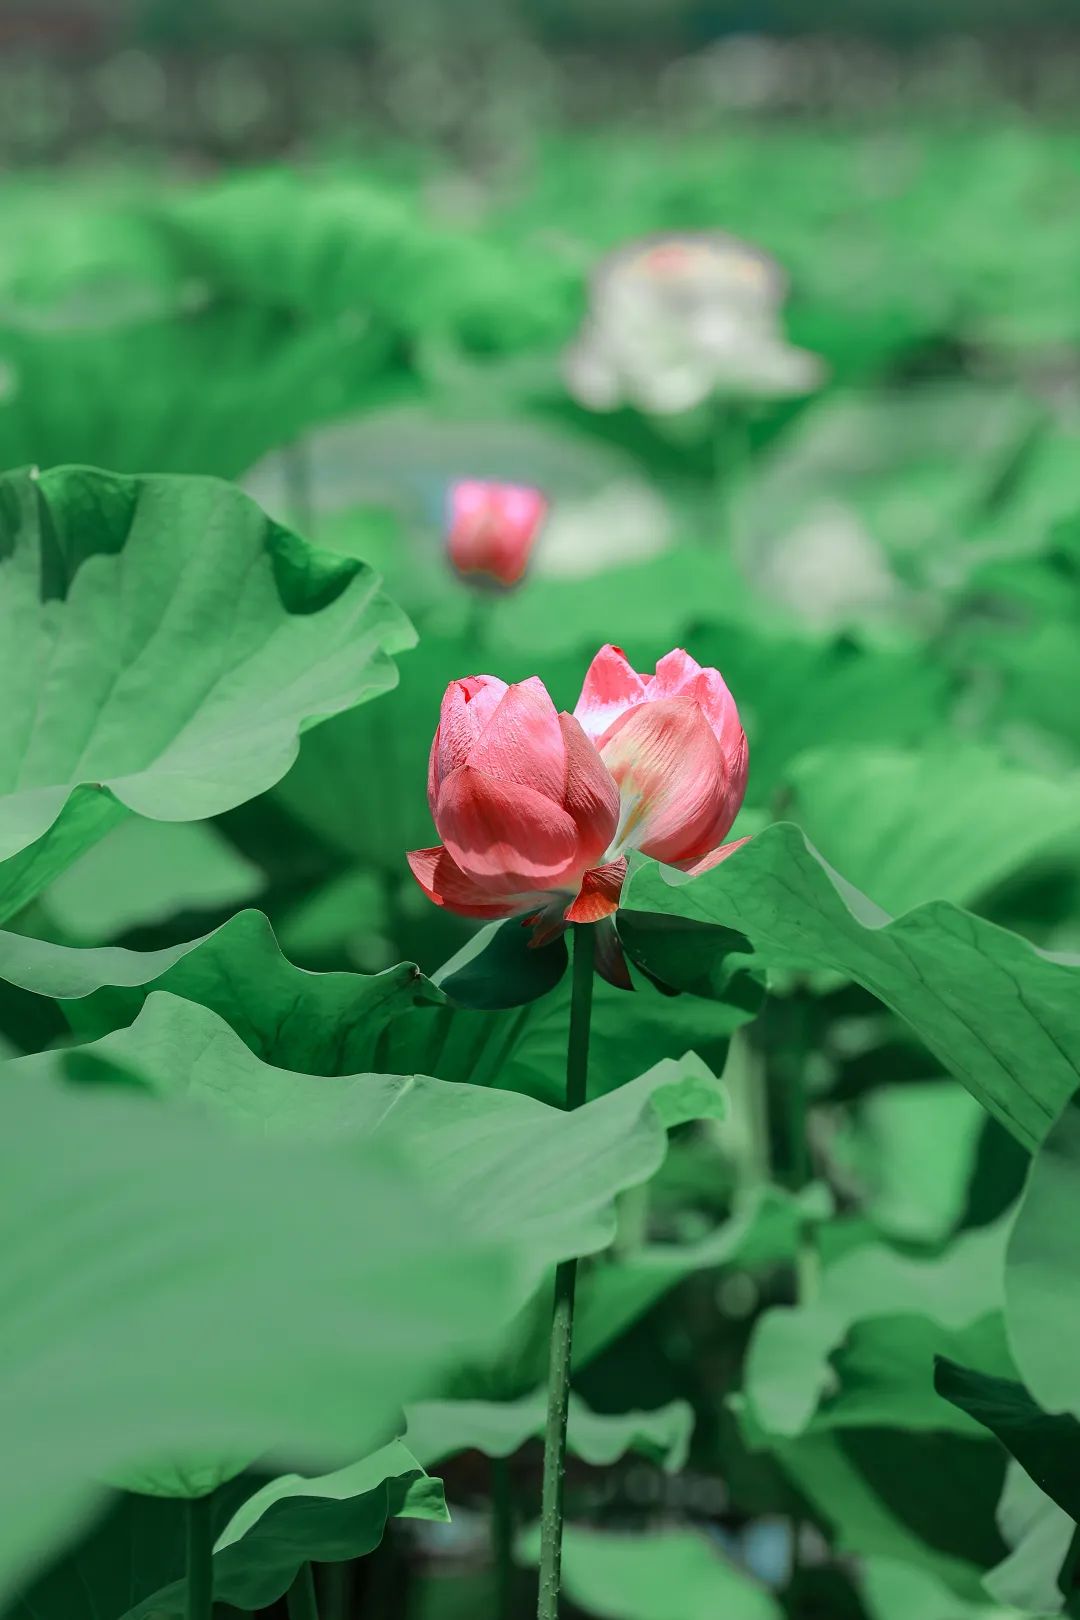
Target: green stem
477,619
787,1038
298,496
200,1559
730,455
382,1596
300,1598
782,1034
562,1316
336,1590
502,1537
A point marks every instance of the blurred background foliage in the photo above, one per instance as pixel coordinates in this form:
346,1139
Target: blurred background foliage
336,252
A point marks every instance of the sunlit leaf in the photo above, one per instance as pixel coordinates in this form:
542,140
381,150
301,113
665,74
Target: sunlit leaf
440,1429
131,1563
789,1373
165,646
940,824
146,1255
542,1176
937,966
1039,1535
328,1518
662,1575
317,1023
1043,1444
1042,1288
144,873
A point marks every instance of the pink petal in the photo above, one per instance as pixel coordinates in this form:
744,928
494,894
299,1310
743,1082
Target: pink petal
674,673
443,881
492,528
677,793
522,741
467,706
506,836
611,687
679,675
590,796
705,863
599,893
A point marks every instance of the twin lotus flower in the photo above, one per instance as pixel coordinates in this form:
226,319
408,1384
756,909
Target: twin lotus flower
538,811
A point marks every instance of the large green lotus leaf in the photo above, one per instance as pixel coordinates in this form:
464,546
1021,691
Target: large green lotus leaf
1043,1444
339,921
91,258
131,1563
542,1176
377,485
335,1023
939,824
1039,500
1040,678
892,1590
796,694
644,606
882,1373
131,394
145,1257
916,466
655,1575
938,967
1042,1287
166,645
788,1370
316,1023
910,1151
357,247
144,873
130,1549
923,1498
1022,639
1039,1535
616,1288
524,1048
765,1228
499,968
440,1429
293,1519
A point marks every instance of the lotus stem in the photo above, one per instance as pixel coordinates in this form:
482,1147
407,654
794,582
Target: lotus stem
562,1317
336,1588
298,493
502,1537
300,1598
200,1559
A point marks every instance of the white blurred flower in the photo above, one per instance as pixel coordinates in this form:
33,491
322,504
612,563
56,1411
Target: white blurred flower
626,522
674,319
827,570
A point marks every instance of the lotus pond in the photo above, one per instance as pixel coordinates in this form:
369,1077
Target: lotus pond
642,1123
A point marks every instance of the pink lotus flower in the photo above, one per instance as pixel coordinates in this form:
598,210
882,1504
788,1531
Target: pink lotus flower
491,528
538,810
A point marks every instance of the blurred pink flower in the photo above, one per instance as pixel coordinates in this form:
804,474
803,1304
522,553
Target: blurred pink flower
538,810
491,528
